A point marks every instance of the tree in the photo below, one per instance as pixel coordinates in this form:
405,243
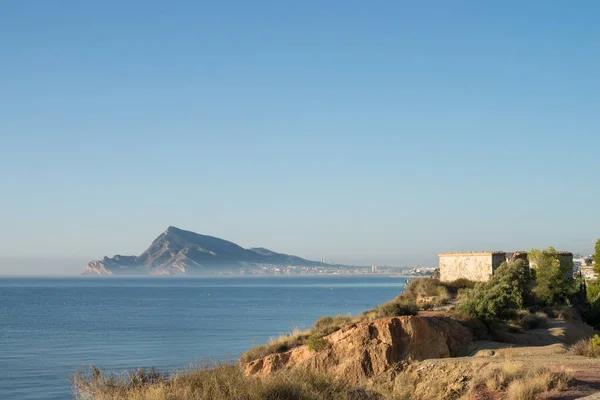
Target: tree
508,291
554,276
596,257
588,261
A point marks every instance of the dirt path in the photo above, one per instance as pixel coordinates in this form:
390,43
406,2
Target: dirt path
585,371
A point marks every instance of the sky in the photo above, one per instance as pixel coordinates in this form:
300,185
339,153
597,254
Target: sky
365,132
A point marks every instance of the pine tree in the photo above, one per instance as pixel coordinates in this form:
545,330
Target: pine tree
596,257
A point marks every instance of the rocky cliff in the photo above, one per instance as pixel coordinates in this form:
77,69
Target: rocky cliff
179,252
369,351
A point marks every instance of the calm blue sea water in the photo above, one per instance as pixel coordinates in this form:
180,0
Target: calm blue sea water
50,327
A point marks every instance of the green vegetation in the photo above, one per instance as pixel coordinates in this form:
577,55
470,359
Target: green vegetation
507,292
554,277
397,308
316,343
522,295
596,257
591,308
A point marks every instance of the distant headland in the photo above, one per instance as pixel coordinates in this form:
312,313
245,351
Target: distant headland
180,252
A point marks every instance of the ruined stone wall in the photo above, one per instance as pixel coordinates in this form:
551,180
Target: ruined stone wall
497,259
472,266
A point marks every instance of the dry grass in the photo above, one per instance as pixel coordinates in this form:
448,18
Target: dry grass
510,380
220,382
278,345
499,379
587,348
323,327
518,382
538,381
429,293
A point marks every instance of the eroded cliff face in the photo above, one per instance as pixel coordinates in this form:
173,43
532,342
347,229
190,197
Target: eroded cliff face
370,351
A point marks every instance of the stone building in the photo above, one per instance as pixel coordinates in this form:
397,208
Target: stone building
479,266
474,266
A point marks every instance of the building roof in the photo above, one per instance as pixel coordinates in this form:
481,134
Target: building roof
472,253
493,252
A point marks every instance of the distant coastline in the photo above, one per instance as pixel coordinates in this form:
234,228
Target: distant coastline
177,252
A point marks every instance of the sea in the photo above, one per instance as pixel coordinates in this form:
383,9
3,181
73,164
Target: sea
50,327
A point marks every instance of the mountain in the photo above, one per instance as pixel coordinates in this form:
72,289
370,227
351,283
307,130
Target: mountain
179,252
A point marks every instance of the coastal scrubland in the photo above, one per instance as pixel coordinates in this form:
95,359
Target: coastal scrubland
526,333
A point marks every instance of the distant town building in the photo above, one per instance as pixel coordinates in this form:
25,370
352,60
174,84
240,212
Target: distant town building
479,266
585,266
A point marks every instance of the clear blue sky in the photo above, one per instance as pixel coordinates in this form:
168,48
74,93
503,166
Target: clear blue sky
365,132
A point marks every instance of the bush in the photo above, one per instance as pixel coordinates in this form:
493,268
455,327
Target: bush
587,348
458,284
316,343
397,308
503,295
529,321
554,277
425,288
326,325
591,313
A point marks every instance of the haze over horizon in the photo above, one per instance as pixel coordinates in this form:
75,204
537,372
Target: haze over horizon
365,134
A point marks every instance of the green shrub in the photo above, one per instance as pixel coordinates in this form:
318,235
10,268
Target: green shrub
503,295
397,308
591,312
326,325
554,277
316,343
595,341
458,284
596,257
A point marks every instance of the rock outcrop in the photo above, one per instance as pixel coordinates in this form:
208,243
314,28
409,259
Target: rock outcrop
371,351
